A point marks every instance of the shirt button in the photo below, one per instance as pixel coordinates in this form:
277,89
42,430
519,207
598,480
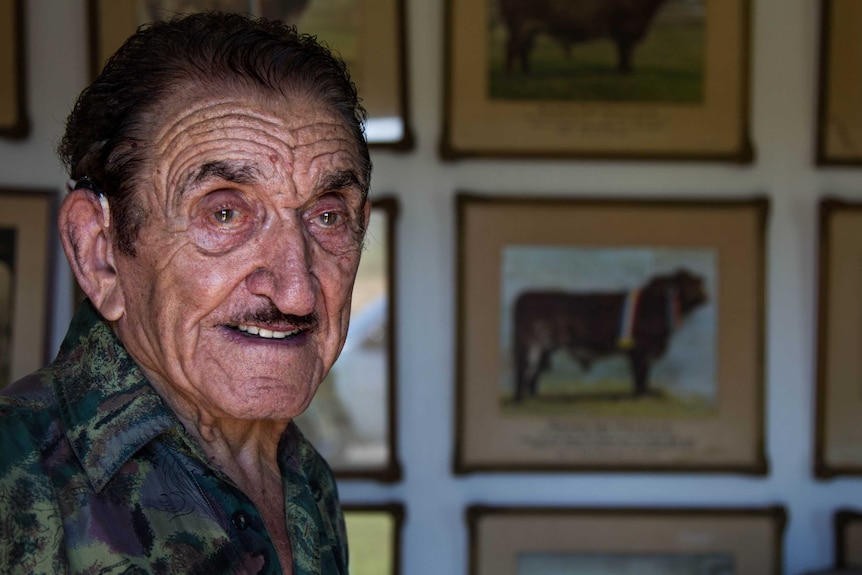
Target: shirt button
240,520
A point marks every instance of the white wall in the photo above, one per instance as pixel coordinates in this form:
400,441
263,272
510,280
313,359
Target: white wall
784,60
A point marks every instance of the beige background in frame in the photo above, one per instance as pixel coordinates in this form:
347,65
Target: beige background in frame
8,72
842,116
31,218
842,384
732,439
376,76
751,538
717,128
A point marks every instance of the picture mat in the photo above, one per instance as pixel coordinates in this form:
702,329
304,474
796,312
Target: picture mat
841,121
752,538
376,73
732,439
841,385
625,564
717,127
30,215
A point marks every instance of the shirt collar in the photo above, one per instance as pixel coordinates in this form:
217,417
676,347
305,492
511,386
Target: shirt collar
108,408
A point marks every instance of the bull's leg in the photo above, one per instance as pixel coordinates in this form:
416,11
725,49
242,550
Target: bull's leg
518,47
529,363
527,367
625,48
640,364
510,54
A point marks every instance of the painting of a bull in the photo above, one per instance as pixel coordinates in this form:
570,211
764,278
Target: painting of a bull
593,325
624,22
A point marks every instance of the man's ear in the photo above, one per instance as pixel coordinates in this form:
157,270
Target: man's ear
84,221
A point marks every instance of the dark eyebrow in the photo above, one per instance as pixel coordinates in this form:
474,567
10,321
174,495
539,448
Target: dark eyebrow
234,172
340,180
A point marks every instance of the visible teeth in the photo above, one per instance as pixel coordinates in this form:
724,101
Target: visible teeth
266,333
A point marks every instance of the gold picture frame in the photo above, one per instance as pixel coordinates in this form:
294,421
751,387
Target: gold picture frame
352,420
370,35
610,334
374,537
14,122
27,228
838,440
536,540
682,91
839,120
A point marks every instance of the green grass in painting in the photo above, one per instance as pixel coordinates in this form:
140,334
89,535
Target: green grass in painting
668,67
560,396
369,538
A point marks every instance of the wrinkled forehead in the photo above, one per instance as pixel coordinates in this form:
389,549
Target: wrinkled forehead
264,131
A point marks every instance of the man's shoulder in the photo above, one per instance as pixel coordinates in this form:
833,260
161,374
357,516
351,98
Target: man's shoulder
31,393
29,417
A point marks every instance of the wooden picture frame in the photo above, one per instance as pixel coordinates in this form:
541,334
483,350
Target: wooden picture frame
683,95
839,120
27,231
847,524
563,304
370,36
352,420
838,440
374,537
533,541
14,122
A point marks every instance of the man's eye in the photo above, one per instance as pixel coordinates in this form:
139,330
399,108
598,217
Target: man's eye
224,216
327,219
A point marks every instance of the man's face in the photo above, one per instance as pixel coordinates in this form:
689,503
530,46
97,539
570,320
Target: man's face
238,297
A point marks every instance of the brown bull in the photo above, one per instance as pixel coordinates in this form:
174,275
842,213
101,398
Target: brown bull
625,22
594,325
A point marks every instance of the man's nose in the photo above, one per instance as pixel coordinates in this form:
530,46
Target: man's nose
285,273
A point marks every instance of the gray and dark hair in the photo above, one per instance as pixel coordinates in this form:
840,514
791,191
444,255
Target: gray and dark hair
108,129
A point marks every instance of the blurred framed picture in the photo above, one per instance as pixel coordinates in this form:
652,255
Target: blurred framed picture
541,541
352,419
848,539
13,94
838,442
553,78
27,228
374,537
368,34
610,334
839,119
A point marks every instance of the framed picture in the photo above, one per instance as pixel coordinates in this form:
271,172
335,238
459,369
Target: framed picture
603,334
352,419
839,121
838,439
26,251
542,541
374,537
848,539
13,94
368,34
562,79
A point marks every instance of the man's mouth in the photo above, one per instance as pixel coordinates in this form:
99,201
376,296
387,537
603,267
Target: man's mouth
266,333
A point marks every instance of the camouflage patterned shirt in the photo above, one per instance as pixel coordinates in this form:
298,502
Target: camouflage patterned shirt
98,476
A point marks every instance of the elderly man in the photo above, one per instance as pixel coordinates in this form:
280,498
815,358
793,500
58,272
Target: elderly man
215,219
